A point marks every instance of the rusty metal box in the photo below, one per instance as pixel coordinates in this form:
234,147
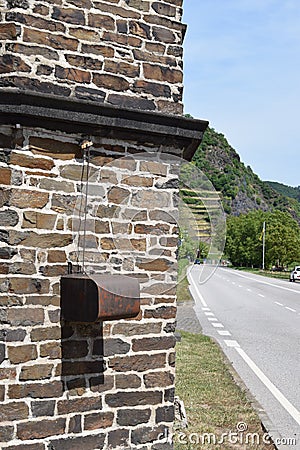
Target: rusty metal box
92,298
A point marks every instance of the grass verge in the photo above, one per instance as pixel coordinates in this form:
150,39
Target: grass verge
214,402
266,273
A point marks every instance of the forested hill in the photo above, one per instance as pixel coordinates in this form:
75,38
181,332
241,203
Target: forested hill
288,191
241,189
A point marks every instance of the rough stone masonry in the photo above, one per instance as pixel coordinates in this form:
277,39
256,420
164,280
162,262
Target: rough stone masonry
111,72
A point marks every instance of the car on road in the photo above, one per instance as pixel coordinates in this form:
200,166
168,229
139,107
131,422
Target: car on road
295,274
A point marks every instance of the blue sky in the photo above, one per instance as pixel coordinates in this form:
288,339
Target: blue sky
242,73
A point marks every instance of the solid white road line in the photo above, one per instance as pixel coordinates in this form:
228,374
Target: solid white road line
205,309
209,314
212,319
265,282
260,295
198,292
270,386
279,304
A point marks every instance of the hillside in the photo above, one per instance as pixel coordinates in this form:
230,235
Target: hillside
241,189
288,191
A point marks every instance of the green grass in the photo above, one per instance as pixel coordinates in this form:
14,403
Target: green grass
214,402
266,273
182,291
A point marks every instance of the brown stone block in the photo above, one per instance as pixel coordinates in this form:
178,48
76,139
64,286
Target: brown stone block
164,35
66,204
55,256
107,243
163,312
108,176
6,432
25,316
170,107
29,286
98,421
121,227
13,411
54,185
51,350
110,82
138,363
9,31
43,300
100,21
158,379
36,390
87,4
134,398
164,9
80,443
54,148
75,349
84,61
101,383
79,405
156,230
103,50
159,289
118,437
76,172
24,160
168,241
155,48
82,367
144,435
161,73
156,89
123,68
107,212
30,50
139,29
40,429
43,240
22,353
46,334
118,195
22,268
159,215
10,63
133,417
36,372
8,374
5,175
118,11
84,34
69,15
51,40
135,329
54,271
135,180
71,74
43,408
153,343
129,381
22,198
34,219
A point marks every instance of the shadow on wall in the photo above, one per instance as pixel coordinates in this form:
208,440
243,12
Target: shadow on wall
82,357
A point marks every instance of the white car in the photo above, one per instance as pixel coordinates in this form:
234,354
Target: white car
295,274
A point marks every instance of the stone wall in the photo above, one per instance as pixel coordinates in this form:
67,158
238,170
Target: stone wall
122,52
84,386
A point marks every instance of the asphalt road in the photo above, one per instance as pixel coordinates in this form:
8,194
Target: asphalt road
256,320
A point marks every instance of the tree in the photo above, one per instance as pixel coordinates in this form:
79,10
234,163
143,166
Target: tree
244,243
